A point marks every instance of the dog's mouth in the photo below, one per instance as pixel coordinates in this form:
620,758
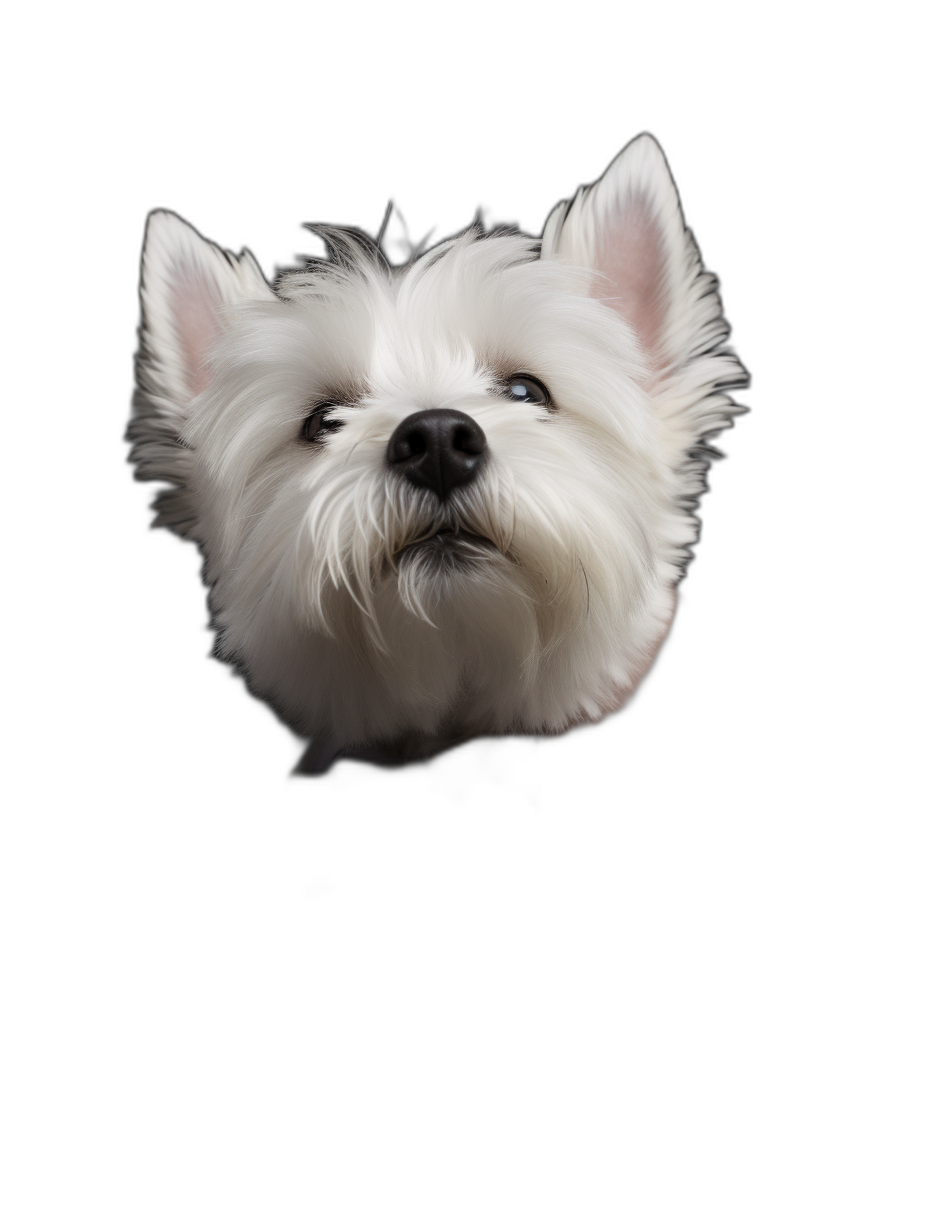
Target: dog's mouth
449,545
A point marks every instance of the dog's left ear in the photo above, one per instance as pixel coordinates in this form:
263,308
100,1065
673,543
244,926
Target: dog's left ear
629,227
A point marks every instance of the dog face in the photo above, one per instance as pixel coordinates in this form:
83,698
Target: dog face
449,497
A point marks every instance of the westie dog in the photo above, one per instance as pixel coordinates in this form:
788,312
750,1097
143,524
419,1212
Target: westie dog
447,497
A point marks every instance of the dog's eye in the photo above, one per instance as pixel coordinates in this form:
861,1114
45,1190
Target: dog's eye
524,388
320,422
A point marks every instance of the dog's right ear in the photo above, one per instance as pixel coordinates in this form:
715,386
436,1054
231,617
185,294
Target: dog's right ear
187,284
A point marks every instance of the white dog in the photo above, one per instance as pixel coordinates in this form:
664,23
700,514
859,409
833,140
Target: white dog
448,497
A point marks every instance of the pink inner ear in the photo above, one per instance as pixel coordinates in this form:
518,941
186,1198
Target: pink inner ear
196,322
631,255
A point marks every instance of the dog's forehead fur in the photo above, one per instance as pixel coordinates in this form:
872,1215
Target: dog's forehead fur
440,331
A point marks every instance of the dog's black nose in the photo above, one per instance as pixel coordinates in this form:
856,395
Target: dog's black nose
437,449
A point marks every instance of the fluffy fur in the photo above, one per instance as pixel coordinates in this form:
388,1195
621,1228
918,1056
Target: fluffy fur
552,582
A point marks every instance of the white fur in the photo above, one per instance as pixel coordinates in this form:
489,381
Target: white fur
583,511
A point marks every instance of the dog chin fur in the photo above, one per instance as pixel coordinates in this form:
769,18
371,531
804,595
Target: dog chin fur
369,612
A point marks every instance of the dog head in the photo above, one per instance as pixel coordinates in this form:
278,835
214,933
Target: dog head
447,497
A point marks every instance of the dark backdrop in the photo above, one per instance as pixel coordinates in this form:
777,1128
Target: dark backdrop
250,168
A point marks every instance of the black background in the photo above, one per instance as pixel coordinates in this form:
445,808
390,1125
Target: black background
726,711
